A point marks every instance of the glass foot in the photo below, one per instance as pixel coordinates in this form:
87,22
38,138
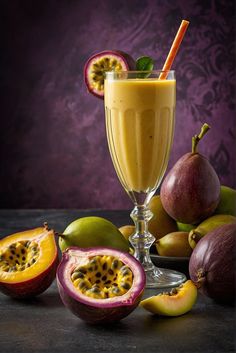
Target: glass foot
161,278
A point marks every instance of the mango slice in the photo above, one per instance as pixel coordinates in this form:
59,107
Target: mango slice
177,302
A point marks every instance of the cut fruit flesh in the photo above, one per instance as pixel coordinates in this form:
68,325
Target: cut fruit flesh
82,269
99,63
97,69
26,255
107,277
75,258
177,302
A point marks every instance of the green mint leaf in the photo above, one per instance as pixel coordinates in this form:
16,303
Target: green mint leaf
144,63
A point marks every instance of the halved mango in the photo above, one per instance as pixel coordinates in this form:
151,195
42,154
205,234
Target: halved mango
177,302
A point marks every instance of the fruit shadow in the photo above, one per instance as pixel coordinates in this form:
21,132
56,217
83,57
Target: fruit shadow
149,324
163,324
45,300
174,326
108,327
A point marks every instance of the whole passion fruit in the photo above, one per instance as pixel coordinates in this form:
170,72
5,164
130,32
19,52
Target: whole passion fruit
99,63
212,264
100,285
190,191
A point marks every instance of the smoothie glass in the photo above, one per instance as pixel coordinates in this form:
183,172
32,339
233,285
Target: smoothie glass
140,116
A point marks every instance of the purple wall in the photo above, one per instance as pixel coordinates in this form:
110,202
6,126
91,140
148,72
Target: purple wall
53,149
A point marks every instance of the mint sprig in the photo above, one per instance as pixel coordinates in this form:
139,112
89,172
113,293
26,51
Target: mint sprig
144,63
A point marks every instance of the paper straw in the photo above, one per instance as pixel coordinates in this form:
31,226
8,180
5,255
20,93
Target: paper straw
174,48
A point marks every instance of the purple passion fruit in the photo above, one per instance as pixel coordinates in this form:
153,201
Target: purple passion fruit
212,264
177,302
28,262
191,190
99,63
100,285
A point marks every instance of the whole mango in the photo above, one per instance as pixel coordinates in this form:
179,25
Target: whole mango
161,223
174,244
91,231
227,204
207,226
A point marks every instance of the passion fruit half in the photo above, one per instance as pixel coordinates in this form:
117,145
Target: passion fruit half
100,285
99,63
28,262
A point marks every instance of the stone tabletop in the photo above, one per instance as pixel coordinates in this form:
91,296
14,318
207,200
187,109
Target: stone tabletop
44,325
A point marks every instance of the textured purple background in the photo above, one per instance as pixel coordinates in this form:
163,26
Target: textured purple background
53,147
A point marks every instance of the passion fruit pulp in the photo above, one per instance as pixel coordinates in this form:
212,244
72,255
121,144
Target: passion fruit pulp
99,63
28,262
100,285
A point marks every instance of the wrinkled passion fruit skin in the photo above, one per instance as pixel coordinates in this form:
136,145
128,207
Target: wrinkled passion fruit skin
212,264
128,63
105,312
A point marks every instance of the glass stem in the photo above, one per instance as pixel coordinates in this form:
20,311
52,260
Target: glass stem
142,240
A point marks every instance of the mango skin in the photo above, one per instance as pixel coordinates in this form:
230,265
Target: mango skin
184,227
87,232
161,223
172,305
227,204
127,231
174,244
207,226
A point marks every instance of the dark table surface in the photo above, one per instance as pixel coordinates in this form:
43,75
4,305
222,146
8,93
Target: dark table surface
44,325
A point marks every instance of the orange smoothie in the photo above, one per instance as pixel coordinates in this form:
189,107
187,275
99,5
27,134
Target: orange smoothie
140,125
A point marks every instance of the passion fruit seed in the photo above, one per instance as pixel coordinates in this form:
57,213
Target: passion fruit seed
103,277
19,256
100,63
173,291
98,68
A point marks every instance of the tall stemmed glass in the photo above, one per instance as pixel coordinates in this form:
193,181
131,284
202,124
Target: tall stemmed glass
140,114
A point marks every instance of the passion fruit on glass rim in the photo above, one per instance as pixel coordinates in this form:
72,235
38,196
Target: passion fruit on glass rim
100,285
28,262
99,63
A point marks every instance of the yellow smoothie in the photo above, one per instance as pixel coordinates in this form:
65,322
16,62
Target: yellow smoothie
140,125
